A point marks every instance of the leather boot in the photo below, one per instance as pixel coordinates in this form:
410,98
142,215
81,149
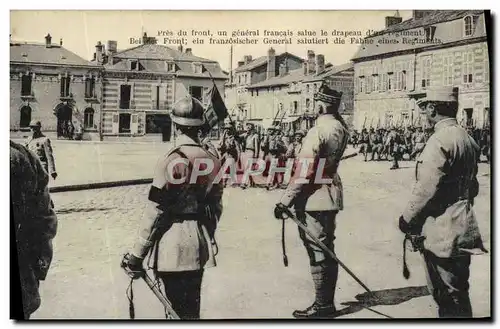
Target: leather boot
316,311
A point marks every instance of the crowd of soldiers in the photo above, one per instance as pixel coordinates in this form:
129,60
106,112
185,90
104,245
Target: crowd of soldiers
272,143
406,143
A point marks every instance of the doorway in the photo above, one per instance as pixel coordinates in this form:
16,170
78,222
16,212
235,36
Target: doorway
468,117
64,124
25,116
124,123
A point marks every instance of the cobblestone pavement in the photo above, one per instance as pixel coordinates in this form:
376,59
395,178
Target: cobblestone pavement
97,226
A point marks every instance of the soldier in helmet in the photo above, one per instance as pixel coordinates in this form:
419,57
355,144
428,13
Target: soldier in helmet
178,227
40,144
294,147
316,203
439,218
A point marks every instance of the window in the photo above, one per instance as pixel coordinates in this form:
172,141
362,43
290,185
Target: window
198,68
426,71
26,85
375,82
156,100
89,87
136,66
384,82
170,67
307,103
249,78
448,70
315,88
88,118
468,116
307,88
429,33
196,92
65,82
239,79
25,117
362,84
125,95
369,84
400,83
468,67
390,81
295,106
470,23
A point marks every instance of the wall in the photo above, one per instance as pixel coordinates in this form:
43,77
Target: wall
46,91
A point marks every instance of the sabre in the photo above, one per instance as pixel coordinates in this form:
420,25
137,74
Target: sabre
287,213
166,303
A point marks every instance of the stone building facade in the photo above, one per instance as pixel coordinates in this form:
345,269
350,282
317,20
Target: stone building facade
51,84
434,48
141,84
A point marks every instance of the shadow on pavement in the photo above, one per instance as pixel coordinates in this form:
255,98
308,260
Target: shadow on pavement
383,297
72,210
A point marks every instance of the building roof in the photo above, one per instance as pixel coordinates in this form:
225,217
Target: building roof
375,48
154,58
155,51
292,76
331,71
439,16
39,53
259,61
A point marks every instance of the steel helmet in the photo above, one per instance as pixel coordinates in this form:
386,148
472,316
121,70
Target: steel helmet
188,111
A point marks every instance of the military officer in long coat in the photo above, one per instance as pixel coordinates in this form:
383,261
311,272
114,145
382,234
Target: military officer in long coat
317,204
40,144
34,223
178,228
440,211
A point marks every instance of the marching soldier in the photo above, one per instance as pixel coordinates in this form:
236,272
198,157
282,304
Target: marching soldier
40,144
364,141
394,142
439,218
485,143
317,205
251,151
34,223
178,227
354,138
294,147
419,142
376,144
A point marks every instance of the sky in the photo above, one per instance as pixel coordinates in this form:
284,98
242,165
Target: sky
81,30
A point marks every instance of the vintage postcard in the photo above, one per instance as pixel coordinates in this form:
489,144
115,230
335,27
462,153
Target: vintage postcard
250,164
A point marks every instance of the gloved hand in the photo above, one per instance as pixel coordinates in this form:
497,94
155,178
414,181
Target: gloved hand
279,210
417,241
407,228
133,266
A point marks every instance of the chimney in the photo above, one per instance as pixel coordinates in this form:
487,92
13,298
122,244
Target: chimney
311,64
320,63
111,50
60,42
392,20
180,48
304,68
418,14
98,51
189,51
48,40
241,63
271,63
247,59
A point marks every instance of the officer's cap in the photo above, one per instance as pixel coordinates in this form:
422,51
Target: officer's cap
35,123
328,95
188,111
438,94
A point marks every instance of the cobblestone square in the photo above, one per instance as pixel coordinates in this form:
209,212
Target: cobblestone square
96,227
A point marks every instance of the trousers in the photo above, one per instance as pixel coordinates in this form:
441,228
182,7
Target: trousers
183,290
324,270
448,282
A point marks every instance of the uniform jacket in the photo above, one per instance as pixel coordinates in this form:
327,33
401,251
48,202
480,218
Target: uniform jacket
42,148
179,227
443,194
252,143
327,140
35,222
